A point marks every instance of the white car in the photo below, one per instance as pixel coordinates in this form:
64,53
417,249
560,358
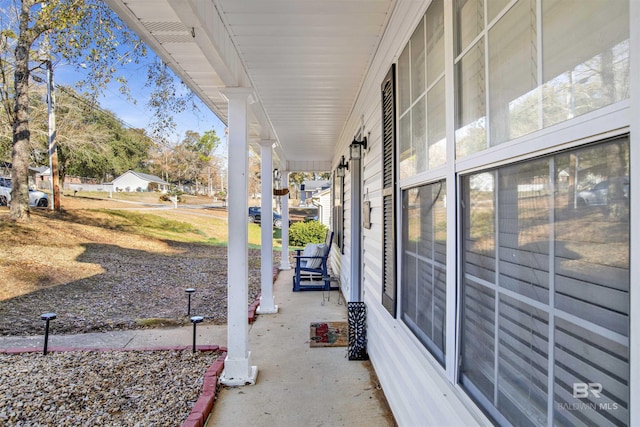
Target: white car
598,194
36,198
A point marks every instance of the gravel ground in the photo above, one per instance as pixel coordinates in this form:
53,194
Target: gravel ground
124,388
97,272
135,289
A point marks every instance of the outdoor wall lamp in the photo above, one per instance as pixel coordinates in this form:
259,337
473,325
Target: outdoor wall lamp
356,147
341,168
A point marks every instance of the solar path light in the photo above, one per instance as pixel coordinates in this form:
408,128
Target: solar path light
47,317
189,291
195,320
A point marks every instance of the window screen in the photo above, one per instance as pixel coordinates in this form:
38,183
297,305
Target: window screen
424,250
545,276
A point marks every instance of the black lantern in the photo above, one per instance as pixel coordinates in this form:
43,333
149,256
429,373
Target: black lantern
342,167
356,147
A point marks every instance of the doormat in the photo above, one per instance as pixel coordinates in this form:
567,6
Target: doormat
329,334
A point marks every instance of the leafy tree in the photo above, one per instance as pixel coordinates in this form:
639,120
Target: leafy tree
192,157
215,174
91,142
87,35
184,161
160,160
254,174
166,99
208,143
108,151
76,29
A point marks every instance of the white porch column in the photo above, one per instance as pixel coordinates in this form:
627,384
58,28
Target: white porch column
237,367
267,303
355,290
284,263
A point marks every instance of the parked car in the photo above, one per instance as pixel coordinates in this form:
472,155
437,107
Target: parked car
255,216
597,195
36,198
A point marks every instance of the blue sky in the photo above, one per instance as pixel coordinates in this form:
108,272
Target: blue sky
137,114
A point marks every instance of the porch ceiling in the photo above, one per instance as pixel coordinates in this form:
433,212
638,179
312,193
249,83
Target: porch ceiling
305,60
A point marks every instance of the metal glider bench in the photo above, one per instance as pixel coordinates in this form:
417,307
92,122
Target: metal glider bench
312,263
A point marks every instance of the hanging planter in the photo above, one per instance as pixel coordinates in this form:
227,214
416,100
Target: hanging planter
280,191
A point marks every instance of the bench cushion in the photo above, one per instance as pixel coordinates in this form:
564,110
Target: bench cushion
310,250
320,250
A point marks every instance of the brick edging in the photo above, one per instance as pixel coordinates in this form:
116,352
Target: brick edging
204,405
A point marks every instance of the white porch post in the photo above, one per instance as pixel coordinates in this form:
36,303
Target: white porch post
355,291
267,303
284,263
237,367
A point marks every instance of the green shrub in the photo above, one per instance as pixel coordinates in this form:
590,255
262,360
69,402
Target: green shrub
301,233
174,192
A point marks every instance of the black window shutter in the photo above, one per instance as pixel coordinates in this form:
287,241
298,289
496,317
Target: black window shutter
389,288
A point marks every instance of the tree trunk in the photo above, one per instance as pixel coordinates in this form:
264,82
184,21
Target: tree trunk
615,193
21,134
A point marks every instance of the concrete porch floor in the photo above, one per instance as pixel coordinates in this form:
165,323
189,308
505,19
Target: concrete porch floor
298,385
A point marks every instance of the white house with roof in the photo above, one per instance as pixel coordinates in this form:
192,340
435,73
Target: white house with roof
470,127
322,199
138,181
308,189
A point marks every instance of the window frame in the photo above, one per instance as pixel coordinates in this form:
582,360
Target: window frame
553,312
439,354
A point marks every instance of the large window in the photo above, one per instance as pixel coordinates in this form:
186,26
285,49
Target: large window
545,287
519,70
424,244
421,93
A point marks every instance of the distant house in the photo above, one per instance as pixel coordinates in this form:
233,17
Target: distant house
322,199
42,177
137,181
309,188
36,177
